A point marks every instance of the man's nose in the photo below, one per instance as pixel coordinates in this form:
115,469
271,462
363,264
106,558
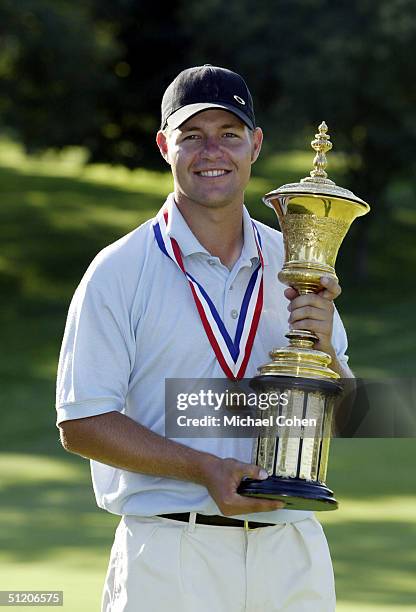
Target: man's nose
211,148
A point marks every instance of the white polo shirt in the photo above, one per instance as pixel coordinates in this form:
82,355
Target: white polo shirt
133,322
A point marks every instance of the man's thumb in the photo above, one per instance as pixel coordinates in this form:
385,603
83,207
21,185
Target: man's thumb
262,474
256,472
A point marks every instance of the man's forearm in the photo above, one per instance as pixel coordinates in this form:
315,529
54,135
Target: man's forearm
346,400
115,439
339,367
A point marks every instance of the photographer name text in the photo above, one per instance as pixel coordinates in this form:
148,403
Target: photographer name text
244,421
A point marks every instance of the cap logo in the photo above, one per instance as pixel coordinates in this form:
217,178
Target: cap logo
239,100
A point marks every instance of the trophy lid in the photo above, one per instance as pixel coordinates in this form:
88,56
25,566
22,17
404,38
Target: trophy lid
318,182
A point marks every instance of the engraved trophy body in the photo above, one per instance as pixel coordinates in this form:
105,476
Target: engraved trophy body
314,215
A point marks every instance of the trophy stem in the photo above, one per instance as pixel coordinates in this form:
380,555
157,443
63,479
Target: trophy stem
304,290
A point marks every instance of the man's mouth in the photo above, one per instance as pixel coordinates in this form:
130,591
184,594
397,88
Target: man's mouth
212,173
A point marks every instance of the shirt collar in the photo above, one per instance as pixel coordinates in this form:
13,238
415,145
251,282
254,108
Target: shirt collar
249,251
178,228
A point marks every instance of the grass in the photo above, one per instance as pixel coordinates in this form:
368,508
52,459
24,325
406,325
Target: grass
56,213
372,536
53,536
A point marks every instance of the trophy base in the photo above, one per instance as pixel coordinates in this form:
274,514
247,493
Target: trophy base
297,494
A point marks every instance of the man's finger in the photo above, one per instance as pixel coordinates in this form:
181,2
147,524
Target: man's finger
318,327
249,505
331,288
311,299
308,312
291,293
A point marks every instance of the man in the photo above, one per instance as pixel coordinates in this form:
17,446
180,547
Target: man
160,303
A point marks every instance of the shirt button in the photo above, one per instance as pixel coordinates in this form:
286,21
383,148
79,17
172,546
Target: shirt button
234,313
211,262
231,287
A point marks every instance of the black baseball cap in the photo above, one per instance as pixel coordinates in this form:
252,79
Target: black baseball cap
202,88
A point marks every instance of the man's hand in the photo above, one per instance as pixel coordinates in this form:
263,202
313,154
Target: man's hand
315,312
222,478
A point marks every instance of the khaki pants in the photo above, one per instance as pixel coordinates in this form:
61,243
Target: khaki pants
159,565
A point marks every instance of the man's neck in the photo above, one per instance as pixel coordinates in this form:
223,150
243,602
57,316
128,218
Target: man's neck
219,230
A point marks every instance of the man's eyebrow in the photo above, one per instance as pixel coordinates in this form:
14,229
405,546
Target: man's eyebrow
235,125
189,128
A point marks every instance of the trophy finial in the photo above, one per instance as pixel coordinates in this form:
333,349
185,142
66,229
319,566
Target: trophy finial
321,144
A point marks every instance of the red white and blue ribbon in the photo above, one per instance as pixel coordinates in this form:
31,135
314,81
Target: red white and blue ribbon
232,355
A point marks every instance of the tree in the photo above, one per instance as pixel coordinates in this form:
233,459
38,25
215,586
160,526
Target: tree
88,73
347,62
52,68
93,73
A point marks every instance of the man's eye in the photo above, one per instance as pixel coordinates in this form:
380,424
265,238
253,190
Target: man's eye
192,137
231,135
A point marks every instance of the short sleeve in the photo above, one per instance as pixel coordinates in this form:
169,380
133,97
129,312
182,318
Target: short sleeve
339,338
96,355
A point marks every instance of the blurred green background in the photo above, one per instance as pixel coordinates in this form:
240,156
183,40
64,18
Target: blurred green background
80,93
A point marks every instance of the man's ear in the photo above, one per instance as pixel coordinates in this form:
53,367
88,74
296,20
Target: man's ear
257,142
162,143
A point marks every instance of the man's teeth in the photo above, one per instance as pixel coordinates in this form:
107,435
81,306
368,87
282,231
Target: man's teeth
212,172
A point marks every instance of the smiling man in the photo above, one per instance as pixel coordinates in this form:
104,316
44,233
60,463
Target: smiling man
169,300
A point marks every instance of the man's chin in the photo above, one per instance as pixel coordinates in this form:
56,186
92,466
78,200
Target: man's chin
212,200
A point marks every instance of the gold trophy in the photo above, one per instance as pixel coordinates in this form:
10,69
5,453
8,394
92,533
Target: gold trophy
314,215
